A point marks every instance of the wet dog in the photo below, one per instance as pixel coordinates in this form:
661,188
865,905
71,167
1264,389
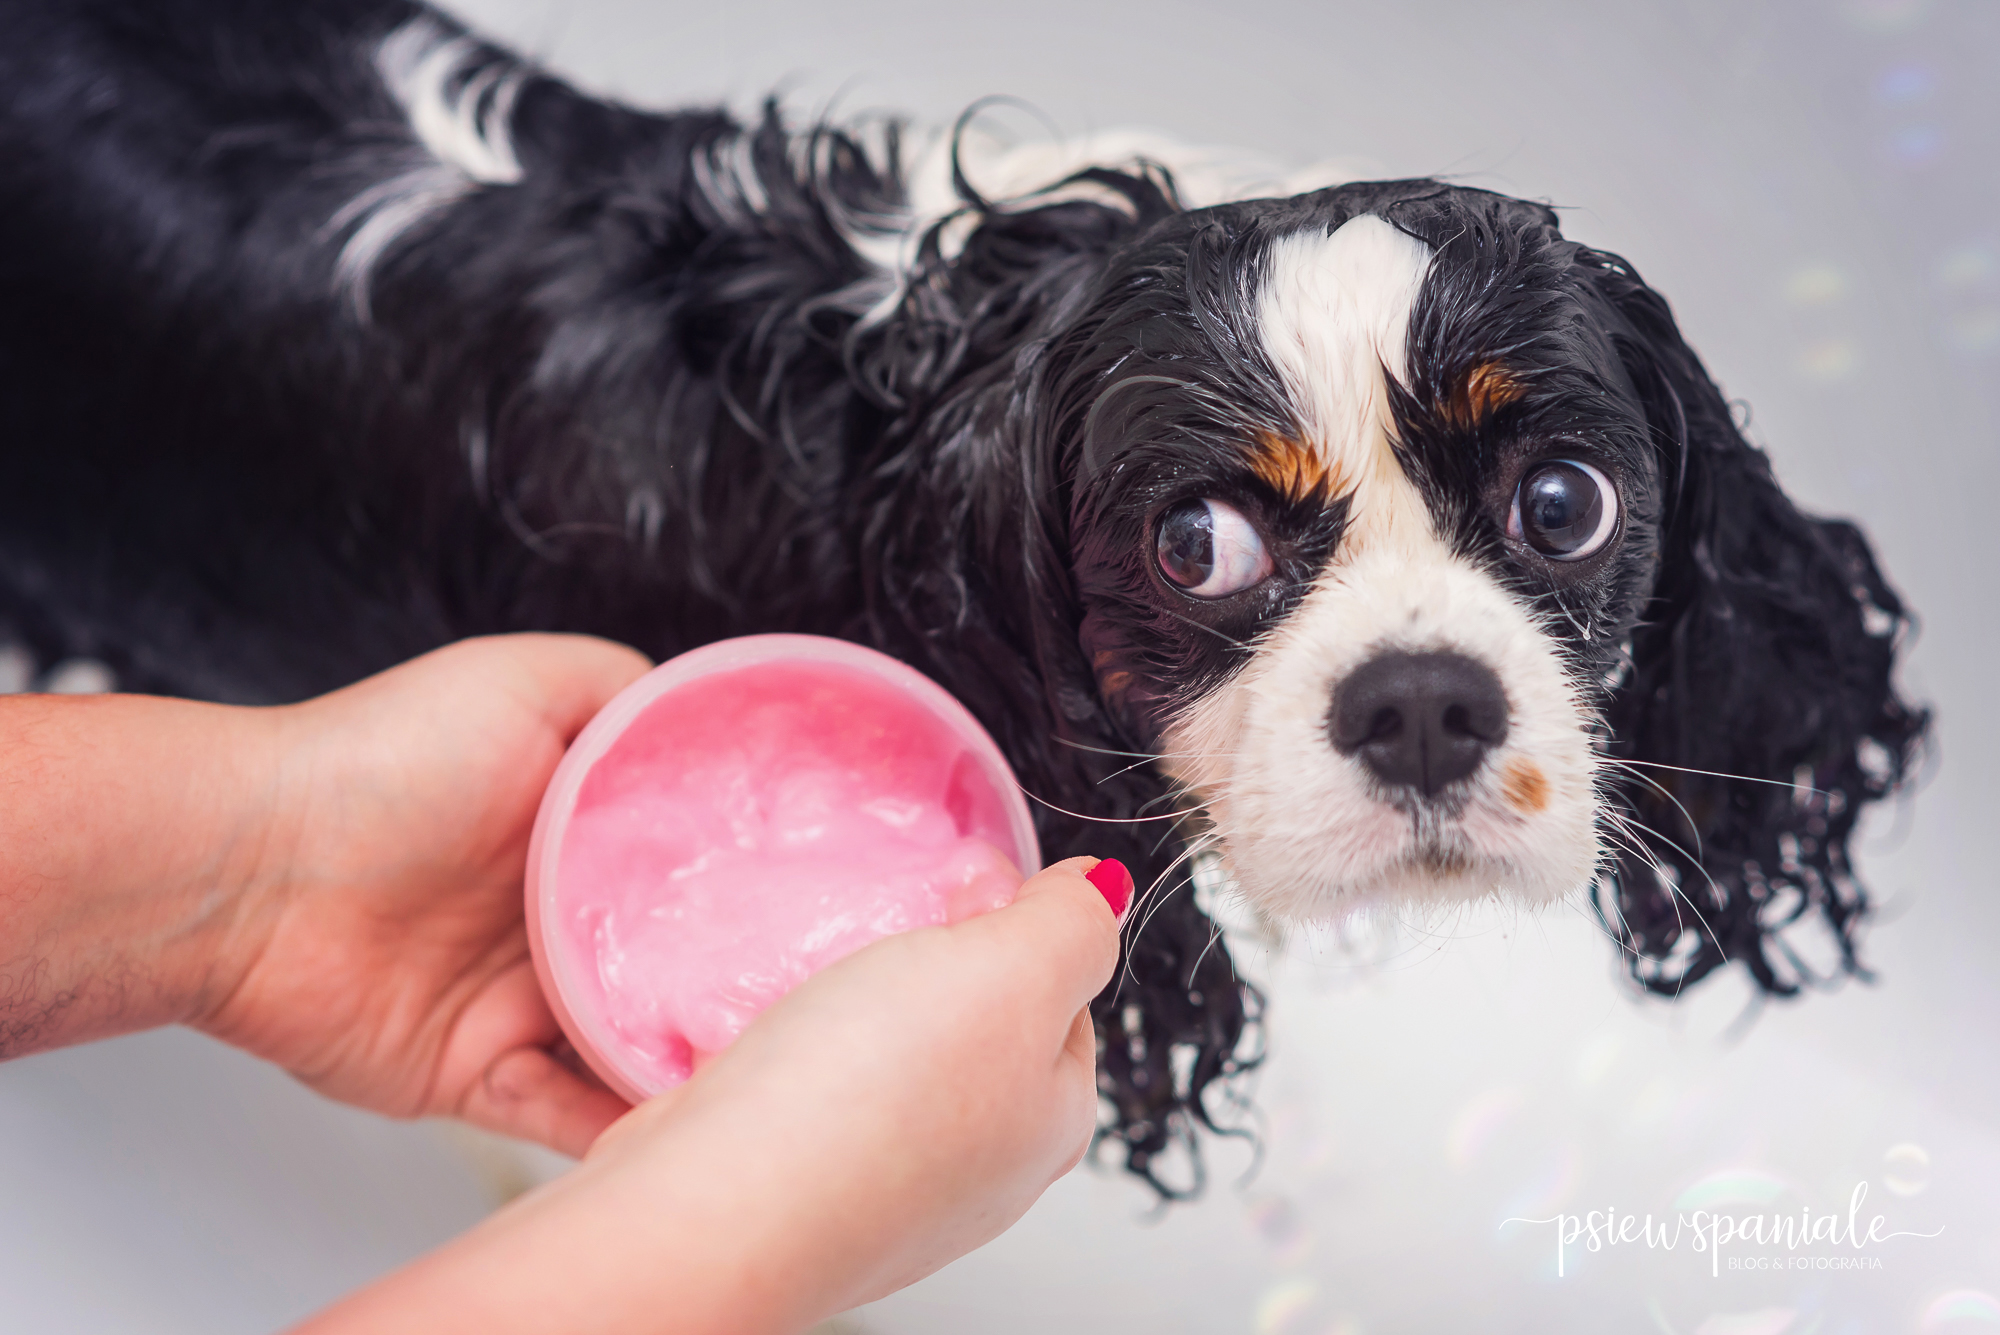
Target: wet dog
1375,543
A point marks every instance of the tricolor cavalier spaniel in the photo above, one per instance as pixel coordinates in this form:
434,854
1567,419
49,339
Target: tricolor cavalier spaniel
1376,542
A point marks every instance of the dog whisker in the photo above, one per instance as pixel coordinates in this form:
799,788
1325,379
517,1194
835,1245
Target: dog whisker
1602,930
1214,935
1119,773
1104,750
1155,899
1102,820
1638,826
1171,831
1174,794
1232,642
1718,774
1685,814
1636,847
1677,893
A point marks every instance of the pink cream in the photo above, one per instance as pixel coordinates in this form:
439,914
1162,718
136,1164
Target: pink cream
748,827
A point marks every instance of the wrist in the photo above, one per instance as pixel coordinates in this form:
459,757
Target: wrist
237,874
135,838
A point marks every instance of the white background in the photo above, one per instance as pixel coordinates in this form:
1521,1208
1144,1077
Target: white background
1813,186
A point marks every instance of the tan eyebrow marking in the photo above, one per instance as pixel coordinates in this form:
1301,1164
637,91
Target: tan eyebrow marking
1293,469
1488,387
1524,787
1110,683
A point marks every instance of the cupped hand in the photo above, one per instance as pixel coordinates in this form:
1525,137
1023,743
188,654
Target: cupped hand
382,956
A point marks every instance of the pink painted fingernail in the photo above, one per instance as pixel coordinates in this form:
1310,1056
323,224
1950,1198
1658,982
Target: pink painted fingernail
1113,882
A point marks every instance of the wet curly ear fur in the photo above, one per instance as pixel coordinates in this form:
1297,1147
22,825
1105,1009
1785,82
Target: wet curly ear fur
1758,715
967,562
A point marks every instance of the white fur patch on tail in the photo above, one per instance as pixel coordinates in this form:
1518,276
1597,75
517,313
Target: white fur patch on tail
458,107
461,120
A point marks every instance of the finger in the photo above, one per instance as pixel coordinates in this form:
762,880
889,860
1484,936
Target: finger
1061,922
1081,1045
528,1094
1076,1068
573,676
497,1069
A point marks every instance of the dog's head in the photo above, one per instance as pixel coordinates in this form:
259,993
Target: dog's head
1358,535
1418,548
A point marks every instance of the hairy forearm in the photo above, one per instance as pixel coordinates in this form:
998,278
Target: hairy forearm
130,829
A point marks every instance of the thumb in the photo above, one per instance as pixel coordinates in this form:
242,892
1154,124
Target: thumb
571,677
1063,917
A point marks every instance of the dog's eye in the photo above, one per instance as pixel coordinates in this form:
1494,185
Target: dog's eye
1210,550
1565,510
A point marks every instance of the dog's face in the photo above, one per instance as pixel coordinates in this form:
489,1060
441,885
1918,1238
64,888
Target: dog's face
1365,506
1416,724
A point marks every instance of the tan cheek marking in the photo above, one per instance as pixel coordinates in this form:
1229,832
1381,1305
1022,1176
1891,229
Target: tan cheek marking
1292,469
1487,389
1116,683
1524,787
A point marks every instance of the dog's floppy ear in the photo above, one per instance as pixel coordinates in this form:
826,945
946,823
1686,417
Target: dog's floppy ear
1757,712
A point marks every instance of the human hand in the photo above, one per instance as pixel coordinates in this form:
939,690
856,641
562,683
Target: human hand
380,955
893,1112
925,1091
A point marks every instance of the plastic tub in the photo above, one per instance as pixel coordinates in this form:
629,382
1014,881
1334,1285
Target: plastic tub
745,814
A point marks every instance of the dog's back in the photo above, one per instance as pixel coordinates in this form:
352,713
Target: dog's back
288,393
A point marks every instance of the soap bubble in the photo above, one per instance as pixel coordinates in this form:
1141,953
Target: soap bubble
1549,1189
1961,1310
1901,85
1829,359
1732,1186
1916,145
1906,1169
1976,330
1884,15
1283,1304
1280,1223
1597,1058
1763,1321
1967,268
1815,285
1476,1123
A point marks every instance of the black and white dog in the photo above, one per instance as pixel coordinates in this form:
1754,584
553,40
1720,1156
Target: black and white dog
1401,538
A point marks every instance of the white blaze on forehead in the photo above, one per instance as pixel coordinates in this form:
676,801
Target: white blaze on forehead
1333,312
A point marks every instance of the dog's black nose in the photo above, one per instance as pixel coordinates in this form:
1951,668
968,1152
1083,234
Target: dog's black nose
1419,720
